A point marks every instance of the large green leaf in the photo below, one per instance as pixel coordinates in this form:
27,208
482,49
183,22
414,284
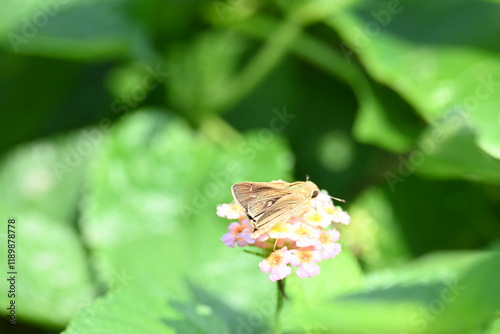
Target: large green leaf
151,293
447,150
338,275
75,29
383,117
42,180
439,215
200,73
433,57
43,96
375,234
149,218
494,327
448,293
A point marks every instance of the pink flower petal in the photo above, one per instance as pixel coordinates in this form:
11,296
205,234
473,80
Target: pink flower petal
308,270
229,239
280,272
238,233
245,238
300,257
277,264
341,217
330,251
230,211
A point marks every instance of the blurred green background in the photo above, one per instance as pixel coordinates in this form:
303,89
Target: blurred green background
124,123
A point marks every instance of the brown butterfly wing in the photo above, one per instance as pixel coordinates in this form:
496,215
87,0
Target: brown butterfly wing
281,212
267,203
257,197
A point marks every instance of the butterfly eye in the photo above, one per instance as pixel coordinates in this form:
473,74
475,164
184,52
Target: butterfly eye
314,193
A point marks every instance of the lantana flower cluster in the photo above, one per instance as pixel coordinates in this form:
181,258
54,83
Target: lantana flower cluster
304,240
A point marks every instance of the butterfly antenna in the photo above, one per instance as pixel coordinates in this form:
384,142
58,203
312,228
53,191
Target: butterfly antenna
338,199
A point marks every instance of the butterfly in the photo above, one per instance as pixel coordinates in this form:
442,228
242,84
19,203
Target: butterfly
269,203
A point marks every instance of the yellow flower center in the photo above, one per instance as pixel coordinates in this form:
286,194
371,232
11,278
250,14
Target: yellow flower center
315,217
305,256
325,238
275,259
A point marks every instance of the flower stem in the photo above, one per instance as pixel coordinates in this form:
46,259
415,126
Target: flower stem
255,253
279,305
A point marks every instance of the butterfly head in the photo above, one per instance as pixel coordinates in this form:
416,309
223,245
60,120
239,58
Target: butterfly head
313,188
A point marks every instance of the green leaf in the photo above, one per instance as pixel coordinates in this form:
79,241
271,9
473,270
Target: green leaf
383,118
61,29
338,275
375,234
42,180
494,328
200,72
438,65
25,118
448,150
447,293
440,215
145,308
165,232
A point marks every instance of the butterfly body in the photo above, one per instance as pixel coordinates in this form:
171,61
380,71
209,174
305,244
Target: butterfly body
269,203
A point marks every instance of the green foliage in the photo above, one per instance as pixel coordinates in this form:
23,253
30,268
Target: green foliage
51,260
125,123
